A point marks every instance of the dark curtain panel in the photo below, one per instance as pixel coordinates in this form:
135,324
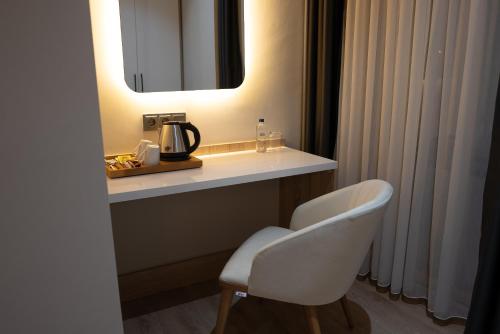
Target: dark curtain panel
325,24
230,64
484,314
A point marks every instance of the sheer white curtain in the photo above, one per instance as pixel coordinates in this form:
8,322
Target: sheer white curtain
418,92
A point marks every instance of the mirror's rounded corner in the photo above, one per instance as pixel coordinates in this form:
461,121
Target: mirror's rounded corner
238,86
130,89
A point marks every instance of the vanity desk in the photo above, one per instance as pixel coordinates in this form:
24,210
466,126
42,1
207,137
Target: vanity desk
177,229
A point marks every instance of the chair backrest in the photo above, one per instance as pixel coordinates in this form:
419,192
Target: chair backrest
318,263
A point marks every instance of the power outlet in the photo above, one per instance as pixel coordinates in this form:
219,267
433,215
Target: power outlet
163,118
151,122
180,117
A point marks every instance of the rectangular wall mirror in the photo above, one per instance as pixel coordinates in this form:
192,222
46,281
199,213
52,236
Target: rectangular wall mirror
178,45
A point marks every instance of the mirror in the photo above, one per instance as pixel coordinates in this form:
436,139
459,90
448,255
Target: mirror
177,45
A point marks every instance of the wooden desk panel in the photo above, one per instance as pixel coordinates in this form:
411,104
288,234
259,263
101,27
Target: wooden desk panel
293,191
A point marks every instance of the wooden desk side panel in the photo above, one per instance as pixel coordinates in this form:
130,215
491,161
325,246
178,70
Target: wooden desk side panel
155,231
163,243
190,243
298,189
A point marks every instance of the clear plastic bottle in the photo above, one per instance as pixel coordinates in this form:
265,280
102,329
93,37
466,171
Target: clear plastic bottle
261,136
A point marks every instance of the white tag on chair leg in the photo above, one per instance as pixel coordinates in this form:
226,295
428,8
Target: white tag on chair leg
241,294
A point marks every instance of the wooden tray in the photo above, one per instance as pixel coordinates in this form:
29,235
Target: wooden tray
164,166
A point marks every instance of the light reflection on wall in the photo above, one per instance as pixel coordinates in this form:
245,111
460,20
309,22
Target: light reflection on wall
121,108
108,48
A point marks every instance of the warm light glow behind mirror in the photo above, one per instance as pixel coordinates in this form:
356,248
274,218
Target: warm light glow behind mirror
271,89
109,61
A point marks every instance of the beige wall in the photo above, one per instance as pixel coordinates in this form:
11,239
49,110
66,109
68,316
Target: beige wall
58,272
272,86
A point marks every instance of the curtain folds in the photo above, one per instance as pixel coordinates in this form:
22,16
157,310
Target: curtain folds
325,22
484,314
417,102
230,61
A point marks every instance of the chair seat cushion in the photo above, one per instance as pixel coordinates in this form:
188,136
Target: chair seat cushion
237,269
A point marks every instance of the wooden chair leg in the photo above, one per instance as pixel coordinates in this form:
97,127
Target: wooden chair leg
312,319
226,299
347,311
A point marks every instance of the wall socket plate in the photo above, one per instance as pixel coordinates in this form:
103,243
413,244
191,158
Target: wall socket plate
151,122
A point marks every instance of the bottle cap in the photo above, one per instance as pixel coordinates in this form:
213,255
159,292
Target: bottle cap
261,120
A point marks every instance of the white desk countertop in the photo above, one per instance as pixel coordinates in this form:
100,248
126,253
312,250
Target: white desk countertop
219,170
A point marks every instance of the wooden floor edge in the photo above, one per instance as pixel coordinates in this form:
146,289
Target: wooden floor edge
411,300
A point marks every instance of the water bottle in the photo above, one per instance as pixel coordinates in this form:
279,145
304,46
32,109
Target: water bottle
261,136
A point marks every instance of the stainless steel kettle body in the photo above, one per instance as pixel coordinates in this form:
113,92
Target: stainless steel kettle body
174,141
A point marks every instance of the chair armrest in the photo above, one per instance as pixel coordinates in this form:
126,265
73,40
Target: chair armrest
290,270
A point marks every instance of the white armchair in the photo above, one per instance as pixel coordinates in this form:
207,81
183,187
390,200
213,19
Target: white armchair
314,262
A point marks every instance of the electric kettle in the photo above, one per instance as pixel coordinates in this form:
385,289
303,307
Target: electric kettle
174,140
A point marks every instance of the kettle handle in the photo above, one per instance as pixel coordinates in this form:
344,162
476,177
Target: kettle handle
196,133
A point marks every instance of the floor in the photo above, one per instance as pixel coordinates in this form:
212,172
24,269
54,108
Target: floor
387,316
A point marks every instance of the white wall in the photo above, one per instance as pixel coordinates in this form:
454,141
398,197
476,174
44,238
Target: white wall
57,264
272,86
198,44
